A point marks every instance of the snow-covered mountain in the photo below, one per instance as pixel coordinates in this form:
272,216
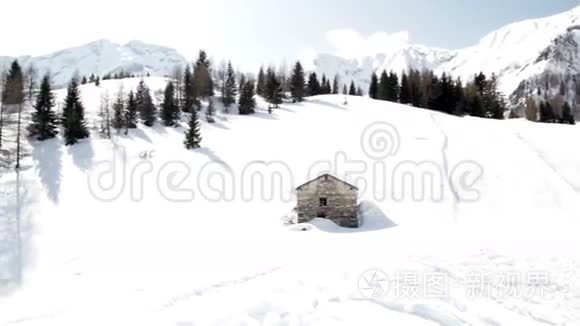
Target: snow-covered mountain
519,52
102,57
398,59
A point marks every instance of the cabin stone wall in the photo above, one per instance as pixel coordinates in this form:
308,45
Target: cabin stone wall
341,200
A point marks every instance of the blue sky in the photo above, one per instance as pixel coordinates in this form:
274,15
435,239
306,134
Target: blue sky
254,32
442,23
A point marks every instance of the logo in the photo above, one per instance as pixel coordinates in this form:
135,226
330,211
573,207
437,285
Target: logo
373,284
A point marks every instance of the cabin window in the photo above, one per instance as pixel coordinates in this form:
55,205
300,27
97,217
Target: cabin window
323,202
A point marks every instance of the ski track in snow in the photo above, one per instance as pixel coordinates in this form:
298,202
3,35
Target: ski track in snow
433,313
216,286
550,165
445,162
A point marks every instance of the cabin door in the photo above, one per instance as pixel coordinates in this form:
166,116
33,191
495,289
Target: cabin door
322,207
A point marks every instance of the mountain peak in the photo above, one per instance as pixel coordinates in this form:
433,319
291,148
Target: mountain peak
102,57
511,52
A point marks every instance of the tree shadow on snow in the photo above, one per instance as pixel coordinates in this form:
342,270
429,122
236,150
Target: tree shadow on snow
212,156
327,104
264,115
139,133
288,110
219,125
82,154
159,128
16,231
48,158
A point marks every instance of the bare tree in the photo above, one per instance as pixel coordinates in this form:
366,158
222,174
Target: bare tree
105,116
30,82
2,92
13,98
531,109
283,75
178,81
219,74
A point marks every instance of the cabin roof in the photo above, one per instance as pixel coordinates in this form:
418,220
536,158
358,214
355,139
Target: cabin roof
327,175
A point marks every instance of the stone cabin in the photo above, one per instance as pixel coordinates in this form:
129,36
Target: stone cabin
328,197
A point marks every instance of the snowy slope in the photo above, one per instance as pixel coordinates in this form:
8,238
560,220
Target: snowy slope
161,258
513,52
102,57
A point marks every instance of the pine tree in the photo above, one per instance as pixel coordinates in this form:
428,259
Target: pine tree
546,112
98,81
131,111
383,90
118,122
475,106
84,80
459,98
261,86
567,116
497,109
405,95
344,89
202,76
193,135
169,109
493,99
313,88
73,115
352,89
92,78
374,87
323,84
242,81
335,87
415,88
210,112
441,94
145,107
481,82
44,120
297,83
393,88
230,90
432,88
273,90
326,88
247,102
